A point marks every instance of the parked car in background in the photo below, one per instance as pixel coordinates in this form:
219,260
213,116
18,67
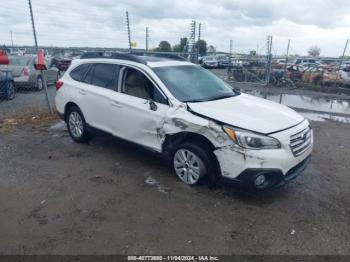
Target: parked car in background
25,75
61,64
223,61
305,66
294,73
210,62
345,76
305,60
205,127
313,75
7,88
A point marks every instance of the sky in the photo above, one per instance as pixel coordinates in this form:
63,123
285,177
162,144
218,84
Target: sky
102,23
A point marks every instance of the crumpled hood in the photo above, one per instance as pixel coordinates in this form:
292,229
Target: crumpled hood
249,112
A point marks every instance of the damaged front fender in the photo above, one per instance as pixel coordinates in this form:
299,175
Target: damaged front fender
179,119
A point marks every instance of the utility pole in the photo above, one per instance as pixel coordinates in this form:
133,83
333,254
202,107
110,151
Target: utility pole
341,61
269,59
33,25
342,57
230,58
11,39
287,54
194,31
193,40
36,47
199,31
147,35
128,28
199,38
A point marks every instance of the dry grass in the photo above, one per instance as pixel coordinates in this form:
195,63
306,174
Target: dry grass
29,118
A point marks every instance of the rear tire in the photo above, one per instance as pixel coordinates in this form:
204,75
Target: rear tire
194,164
39,85
77,126
11,91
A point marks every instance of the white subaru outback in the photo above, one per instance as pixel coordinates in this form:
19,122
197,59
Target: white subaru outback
166,104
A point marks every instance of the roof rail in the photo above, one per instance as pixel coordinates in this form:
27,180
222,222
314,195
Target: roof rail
112,55
161,55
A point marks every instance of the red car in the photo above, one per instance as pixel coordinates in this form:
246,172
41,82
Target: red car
62,64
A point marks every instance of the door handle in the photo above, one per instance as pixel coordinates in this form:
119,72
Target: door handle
82,91
116,104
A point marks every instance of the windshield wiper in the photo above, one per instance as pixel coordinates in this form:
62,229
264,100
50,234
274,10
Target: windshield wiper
194,101
212,99
221,97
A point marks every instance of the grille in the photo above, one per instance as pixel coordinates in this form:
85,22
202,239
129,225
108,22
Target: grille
300,141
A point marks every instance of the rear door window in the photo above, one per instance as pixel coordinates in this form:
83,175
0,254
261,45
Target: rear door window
104,75
79,72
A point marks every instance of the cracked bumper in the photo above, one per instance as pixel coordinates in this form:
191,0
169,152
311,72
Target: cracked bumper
236,163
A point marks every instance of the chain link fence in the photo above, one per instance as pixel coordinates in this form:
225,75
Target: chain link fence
317,74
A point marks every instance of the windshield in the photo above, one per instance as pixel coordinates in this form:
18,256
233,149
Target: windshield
19,60
222,58
209,58
194,84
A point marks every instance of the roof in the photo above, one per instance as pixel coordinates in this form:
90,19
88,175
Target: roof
150,59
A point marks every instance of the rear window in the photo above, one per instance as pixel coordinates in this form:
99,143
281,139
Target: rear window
79,72
19,60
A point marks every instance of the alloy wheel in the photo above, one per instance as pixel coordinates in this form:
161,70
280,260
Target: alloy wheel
75,124
188,166
40,84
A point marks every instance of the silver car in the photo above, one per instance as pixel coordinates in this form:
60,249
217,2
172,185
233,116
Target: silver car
25,75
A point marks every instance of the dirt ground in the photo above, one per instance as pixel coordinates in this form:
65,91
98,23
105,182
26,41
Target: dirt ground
111,197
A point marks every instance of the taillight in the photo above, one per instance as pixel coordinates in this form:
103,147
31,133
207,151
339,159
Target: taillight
58,84
25,71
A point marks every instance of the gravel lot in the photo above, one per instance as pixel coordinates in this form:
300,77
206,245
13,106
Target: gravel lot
108,197
112,197
27,100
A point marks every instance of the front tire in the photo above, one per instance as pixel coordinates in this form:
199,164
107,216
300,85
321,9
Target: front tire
192,164
76,125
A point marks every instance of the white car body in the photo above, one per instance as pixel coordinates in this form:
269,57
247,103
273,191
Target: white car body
129,118
210,62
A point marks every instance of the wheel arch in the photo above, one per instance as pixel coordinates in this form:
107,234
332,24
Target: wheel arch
171,142
67,106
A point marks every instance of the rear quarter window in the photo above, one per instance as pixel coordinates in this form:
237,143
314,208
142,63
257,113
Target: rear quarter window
79,72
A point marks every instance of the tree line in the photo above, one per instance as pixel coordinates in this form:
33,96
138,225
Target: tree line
183,46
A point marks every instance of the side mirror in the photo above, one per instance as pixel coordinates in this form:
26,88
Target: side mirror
153,106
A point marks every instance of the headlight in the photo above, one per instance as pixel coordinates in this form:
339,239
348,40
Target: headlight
251,140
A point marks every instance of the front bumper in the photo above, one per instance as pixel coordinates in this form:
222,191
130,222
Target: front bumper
278,165
210,65
23,82
274,177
